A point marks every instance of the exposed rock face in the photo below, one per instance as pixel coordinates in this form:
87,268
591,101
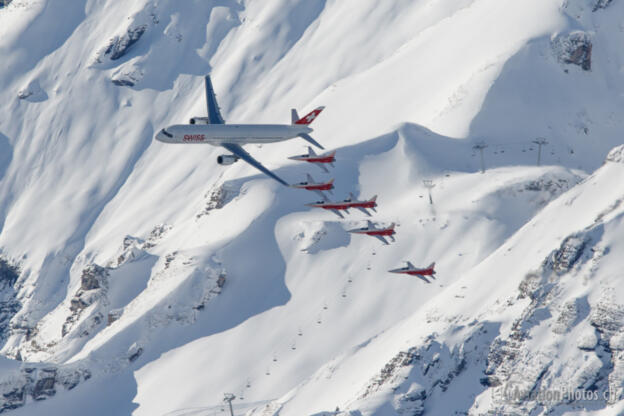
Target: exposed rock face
134,352
9,306
92,284
574,48
601,4
519,375
8,274
616,155
414,375
37,382
217,198
562,260
123,82
119,45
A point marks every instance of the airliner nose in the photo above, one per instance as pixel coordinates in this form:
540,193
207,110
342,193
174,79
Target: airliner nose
164,136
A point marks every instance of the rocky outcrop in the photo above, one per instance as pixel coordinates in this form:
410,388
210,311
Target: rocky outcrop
217,198
9,274
93,284
37,382
521,375
414,375
134,352
563,259
134,248
616,155
601,4
119,46
574,48
9,305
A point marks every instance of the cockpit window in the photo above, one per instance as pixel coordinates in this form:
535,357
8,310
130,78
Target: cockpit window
166,133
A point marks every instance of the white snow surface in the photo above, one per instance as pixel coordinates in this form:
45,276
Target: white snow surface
308,316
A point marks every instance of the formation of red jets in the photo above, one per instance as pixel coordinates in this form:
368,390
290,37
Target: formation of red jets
351,202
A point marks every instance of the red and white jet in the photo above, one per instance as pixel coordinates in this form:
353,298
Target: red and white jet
317,187
318,160
411,270
334,207
373,231
363,205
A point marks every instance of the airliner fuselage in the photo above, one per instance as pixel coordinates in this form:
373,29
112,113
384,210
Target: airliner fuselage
218,134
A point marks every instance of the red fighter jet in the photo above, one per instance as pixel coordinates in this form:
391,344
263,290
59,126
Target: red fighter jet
318,160
317,187
334,207
362,205
411,270
373,231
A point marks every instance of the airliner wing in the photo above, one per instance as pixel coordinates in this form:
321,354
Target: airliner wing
240,152
214,115
383,240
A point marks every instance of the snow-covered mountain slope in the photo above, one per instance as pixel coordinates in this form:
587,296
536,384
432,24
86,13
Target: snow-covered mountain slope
143,277
549,320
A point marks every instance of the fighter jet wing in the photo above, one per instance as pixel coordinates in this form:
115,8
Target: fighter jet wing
240,152
364,211
322,166
423,278
320,193
335,211
383,240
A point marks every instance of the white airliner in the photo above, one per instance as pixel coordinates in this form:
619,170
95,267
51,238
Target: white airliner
213,130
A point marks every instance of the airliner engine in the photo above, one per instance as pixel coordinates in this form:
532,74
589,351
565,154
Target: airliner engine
200,120
226,159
